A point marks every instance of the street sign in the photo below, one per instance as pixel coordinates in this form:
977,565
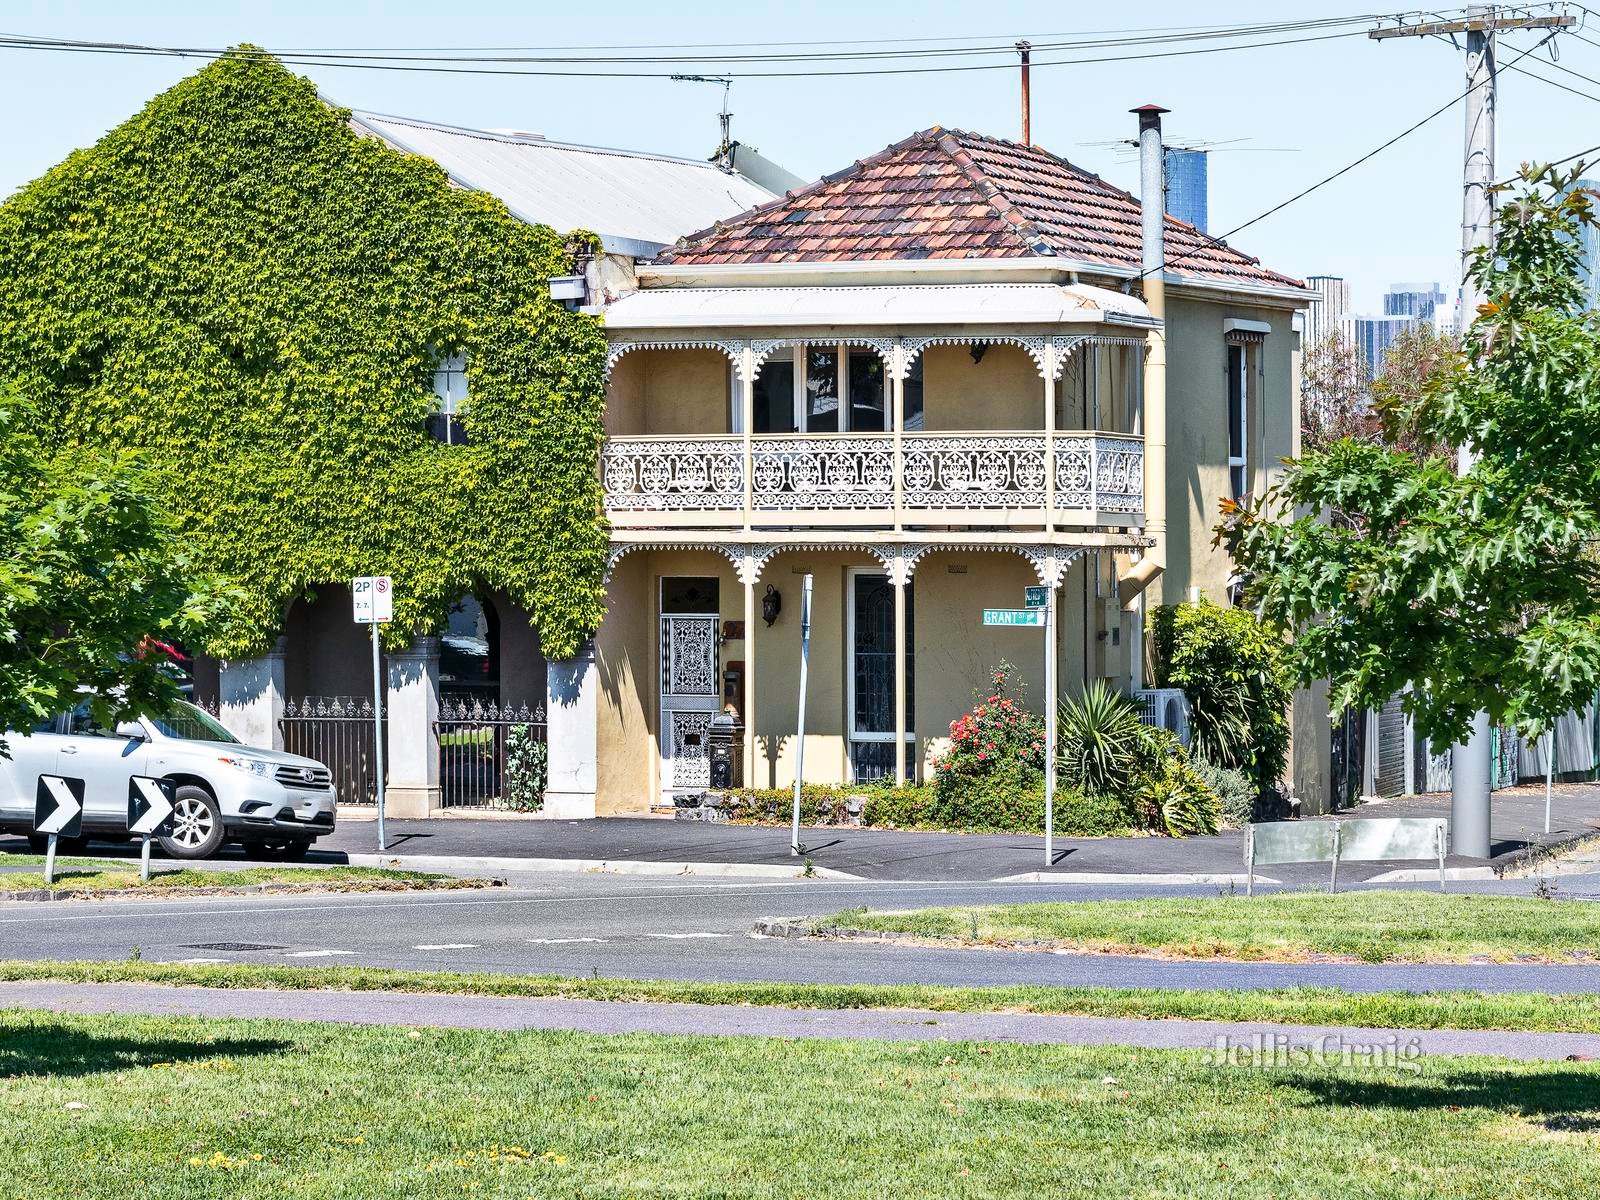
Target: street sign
57,813
150,804
1036,597
374,599
58,806
1014,616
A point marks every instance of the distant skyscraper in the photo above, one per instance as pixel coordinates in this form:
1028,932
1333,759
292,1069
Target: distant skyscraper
1326,315
1186,185
1374,335
1412,300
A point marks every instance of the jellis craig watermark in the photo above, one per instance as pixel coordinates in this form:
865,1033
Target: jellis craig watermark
1276,1051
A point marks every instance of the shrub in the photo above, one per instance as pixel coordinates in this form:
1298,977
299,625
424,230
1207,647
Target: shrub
1099,730
997,735
1231,668
527,769
1234,789
1174,798
1004,802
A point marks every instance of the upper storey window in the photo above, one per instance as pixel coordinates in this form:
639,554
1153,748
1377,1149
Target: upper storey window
449,401
832,388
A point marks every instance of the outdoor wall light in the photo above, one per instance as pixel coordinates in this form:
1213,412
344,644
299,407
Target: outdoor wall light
771,604
978,350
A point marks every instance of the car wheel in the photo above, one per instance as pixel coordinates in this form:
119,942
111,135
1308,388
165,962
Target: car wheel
196,824
289,850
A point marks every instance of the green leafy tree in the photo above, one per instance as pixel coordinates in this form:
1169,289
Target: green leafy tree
1480,590
1231,668
91,581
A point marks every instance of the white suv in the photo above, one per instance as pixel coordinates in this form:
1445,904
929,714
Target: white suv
225,791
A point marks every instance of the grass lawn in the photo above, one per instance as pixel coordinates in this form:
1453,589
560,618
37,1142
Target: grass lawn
108,878
169,1108
1530,1011
1373,926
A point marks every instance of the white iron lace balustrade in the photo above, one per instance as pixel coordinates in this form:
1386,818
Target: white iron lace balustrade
664,474
1003,474
974,471
851,471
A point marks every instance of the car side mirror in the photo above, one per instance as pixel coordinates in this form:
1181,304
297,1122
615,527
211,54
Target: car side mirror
131,730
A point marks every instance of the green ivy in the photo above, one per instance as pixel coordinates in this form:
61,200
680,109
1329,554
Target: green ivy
238,286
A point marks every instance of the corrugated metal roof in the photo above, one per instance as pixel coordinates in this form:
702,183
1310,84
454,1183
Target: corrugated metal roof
636,202
914,304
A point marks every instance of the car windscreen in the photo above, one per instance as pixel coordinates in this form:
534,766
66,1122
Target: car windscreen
192,725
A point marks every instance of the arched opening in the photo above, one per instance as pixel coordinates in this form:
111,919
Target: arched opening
326,653
470,651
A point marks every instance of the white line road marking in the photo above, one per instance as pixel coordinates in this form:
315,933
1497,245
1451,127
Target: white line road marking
561,941
681,936
316,953
447,946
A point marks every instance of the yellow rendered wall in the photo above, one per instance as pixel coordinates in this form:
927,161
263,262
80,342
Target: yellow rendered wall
685,391
1004,391
625,746
1197,433
625,395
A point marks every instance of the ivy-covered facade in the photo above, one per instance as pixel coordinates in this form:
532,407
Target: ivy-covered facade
238,284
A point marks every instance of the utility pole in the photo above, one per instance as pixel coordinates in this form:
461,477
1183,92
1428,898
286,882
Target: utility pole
1469,760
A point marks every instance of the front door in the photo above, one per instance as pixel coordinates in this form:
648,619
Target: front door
872,660
690,682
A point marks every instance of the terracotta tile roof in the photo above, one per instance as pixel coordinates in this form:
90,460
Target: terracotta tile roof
943,193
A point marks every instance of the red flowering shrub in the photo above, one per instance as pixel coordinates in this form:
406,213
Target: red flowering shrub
998,737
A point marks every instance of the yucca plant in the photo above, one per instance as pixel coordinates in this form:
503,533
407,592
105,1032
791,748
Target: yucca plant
1098,740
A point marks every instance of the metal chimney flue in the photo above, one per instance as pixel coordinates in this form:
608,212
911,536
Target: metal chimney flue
1152,415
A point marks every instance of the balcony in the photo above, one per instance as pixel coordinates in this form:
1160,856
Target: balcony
991,479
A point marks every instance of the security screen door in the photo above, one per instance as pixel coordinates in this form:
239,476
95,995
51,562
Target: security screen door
690,680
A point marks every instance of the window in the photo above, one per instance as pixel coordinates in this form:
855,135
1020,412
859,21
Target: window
192,724
838,389
872,648
81,722
911,396
1238,409
449,401
773,394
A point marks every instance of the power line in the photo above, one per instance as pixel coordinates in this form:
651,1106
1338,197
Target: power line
1221,239
320,62
879,50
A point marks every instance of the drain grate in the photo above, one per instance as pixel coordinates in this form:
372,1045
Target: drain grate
236,946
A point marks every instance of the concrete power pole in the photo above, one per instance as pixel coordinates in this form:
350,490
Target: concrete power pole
1469,760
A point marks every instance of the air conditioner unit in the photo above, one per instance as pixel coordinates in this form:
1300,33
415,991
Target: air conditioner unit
1165,708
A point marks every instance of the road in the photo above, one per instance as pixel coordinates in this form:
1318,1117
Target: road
667,928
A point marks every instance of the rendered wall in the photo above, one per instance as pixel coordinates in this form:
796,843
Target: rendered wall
1003,391
625,746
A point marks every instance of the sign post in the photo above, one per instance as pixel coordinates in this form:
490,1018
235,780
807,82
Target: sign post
150,805
1039,614
58,812
373,596
800,727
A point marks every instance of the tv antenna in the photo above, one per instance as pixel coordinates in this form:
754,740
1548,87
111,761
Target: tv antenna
725,117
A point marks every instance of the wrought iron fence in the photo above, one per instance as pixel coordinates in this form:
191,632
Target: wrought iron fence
337,731
489,756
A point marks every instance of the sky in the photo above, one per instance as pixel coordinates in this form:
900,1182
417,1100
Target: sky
1300,112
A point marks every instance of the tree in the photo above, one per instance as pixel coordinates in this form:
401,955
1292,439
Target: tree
1479,590
1335,396
1411,362
91,577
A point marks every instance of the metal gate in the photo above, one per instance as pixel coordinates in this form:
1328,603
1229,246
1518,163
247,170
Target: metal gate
689,699
337,731
1392,749
1349,739
473,739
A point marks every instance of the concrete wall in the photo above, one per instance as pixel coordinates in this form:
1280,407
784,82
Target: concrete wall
1003,391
